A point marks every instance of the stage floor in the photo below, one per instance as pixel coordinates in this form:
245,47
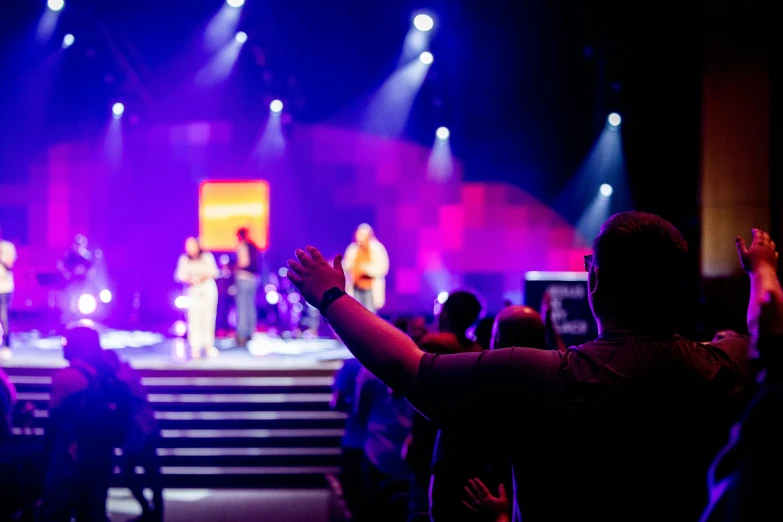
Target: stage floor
148,350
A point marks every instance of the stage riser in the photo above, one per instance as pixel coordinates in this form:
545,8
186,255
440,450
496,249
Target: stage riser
273,429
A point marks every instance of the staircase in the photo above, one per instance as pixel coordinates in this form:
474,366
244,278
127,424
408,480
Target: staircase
230,428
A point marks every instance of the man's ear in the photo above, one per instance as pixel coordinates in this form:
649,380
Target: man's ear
592,280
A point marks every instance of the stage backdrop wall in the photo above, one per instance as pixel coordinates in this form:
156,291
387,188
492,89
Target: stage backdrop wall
134,194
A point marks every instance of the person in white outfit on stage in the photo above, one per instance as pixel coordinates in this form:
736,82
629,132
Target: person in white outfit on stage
366,265
198,270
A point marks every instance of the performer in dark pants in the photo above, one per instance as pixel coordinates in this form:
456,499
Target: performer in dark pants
246,281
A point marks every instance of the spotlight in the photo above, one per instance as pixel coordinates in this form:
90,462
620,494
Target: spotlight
426,58
606,190
272,298
235,3
86,304
423,22
614,119
182,302
117,109
283,272
276,106
180,328
443,133
442,297
241,37
68,40
55,5
105,296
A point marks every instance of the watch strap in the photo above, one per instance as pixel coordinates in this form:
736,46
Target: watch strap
330,296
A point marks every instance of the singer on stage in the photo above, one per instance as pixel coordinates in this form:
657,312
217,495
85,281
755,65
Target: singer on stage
198,270
366,264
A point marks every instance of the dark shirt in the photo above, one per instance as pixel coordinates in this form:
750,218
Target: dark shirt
345,389
621,428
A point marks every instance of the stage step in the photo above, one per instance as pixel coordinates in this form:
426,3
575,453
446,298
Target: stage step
229,428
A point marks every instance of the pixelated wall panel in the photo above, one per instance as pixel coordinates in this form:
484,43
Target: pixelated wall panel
429,238
429,259
407,281
452,227
332,179
408,215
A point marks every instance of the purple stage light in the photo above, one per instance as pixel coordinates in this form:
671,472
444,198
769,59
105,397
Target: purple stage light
442,297
423,22
272,298
87,304
68,40
276,106
117,109
426,58
442,133
241,37
614,119
105,296
180,328
182,302
235,3
606,190
55,5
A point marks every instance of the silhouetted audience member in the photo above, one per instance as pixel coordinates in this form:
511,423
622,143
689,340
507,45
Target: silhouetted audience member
455,455
139,448
460,311
89,415
343,399
386,476
620,428
478,468
483,332
7,402
744,479
518,325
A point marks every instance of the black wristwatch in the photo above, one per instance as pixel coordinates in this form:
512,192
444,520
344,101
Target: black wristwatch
331,295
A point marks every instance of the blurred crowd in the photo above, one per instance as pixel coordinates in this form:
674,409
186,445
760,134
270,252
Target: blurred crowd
639,424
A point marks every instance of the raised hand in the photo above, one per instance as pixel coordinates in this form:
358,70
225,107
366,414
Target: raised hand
482,501
312,274
761,253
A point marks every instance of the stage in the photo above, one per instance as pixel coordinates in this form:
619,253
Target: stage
146,350
248,418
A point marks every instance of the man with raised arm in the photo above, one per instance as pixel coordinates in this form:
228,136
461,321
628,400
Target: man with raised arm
620,428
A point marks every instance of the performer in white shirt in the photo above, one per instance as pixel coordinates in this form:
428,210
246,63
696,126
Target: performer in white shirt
7,260
366,265
198,270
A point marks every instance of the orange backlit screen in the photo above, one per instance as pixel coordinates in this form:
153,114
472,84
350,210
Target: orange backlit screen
227,206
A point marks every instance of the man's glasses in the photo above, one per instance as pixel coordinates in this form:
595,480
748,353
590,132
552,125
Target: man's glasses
588,262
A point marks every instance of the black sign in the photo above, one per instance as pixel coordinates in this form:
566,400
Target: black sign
568,301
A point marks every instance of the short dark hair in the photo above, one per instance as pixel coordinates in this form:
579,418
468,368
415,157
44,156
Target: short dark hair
462,309
243,232
641,260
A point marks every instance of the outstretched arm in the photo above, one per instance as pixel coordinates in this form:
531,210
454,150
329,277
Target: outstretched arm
760,261
387,352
